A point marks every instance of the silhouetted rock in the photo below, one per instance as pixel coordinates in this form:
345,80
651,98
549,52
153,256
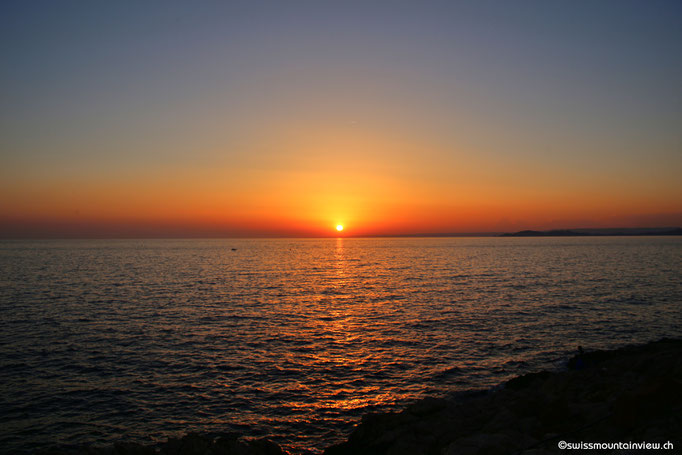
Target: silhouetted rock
528,379
631,394
190,444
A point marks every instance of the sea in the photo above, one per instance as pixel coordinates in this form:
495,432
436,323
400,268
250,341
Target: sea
295,339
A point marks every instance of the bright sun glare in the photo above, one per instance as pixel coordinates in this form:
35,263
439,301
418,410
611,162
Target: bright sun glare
339,227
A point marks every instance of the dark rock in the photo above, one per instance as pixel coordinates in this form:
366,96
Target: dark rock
263,447
619,395
427,406
527,380
622,395
127,448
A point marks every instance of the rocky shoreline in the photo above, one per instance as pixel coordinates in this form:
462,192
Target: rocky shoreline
630,394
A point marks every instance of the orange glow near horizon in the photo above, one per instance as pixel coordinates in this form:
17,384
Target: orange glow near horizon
388,183
220,202
386,122
288,180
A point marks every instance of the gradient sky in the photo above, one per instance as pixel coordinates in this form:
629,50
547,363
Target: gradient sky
288,118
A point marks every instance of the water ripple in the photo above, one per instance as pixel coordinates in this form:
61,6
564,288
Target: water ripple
109,340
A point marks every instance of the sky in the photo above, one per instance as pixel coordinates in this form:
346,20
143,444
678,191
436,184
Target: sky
192,119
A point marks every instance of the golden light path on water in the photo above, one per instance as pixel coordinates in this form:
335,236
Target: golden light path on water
296,339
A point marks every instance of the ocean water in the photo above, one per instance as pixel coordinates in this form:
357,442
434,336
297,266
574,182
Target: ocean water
107,340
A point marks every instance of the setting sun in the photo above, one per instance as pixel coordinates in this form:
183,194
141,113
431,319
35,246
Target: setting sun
497,170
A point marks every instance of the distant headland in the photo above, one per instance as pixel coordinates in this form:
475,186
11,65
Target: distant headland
596,232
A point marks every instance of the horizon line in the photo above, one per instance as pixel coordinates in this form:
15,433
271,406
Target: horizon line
364,236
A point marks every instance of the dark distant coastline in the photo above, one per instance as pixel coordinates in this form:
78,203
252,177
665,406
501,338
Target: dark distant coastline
628,394
597,232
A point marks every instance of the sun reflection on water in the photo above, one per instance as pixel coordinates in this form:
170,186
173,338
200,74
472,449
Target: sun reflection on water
297,339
